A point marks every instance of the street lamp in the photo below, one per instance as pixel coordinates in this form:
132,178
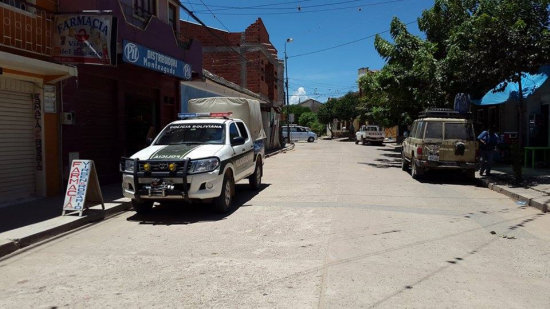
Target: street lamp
287,101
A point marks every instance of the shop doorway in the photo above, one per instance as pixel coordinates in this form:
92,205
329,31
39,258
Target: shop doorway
142,121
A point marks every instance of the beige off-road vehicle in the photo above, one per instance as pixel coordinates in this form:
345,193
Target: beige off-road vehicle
441,139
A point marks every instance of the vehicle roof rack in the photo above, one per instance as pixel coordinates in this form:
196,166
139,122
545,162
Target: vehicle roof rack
443,113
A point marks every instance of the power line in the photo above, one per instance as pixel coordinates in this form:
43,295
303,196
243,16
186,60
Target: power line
215,17
343,44
299,7
301,10
209,29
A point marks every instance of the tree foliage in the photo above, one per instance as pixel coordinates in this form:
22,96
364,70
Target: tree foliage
297,110
470,46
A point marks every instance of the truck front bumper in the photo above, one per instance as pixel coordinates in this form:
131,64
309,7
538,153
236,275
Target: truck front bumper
158,187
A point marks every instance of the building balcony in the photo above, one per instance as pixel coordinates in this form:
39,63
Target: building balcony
26,27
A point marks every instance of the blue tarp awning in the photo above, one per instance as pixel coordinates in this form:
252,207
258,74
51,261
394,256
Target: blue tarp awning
529,82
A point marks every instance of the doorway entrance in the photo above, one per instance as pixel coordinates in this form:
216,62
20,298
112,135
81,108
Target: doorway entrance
142,120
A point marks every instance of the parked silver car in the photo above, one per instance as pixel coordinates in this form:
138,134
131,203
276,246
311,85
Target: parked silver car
299,133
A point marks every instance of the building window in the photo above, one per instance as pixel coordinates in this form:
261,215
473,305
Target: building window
27,6
144,8
172,16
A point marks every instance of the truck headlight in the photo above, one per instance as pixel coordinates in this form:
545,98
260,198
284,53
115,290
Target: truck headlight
204,165
128,165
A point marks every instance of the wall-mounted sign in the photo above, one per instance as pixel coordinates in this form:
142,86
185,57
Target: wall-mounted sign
49,99
37,130
82,187
84,39
147,58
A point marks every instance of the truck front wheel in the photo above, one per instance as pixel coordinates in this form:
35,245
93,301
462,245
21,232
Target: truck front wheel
223,203
255,180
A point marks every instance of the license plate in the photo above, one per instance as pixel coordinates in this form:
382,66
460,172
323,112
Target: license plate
433,158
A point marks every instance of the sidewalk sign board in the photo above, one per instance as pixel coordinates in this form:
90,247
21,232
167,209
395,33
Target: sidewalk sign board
82,187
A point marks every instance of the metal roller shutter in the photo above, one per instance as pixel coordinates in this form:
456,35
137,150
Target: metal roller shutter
17,149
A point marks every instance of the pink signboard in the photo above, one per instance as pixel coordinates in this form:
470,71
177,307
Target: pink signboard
84,38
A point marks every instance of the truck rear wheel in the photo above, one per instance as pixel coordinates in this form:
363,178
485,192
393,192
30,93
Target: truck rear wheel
416,172
223,203
404,163
142,206
255,180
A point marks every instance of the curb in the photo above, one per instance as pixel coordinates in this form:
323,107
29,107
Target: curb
287,148
530,201
26,236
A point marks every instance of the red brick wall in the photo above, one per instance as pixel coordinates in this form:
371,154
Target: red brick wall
227,63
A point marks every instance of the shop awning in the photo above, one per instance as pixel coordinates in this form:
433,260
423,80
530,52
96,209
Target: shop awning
529,82
48,71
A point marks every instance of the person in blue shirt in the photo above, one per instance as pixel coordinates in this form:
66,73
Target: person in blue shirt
488,141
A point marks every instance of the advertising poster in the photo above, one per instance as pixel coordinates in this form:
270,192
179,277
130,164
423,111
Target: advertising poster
84,39
82,187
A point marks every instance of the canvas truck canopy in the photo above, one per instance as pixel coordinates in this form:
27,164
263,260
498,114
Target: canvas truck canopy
247,110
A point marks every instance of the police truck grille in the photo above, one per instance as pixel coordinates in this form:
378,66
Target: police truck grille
162,166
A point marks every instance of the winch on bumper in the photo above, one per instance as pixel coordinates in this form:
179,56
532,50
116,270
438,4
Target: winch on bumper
162,183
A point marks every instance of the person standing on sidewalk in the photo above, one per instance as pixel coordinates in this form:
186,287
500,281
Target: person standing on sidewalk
488,141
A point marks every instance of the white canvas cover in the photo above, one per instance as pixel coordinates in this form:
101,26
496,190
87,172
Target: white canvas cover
247,110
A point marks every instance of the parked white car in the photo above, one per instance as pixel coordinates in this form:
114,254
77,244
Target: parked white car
370,134
299,133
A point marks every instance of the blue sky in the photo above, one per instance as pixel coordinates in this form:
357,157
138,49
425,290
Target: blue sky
316,25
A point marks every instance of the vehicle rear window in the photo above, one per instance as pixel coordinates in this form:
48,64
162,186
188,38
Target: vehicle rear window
434,130
459,131
419,129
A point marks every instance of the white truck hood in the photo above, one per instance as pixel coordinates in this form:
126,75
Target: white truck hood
177,152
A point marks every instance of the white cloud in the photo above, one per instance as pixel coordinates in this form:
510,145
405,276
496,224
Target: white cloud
298,96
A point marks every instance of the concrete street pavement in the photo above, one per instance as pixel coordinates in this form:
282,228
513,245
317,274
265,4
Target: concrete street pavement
335,225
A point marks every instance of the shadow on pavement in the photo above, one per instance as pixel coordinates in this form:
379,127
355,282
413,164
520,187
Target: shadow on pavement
442,177
170,212
391,149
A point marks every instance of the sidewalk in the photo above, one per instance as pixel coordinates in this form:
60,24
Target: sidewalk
533,191
29,222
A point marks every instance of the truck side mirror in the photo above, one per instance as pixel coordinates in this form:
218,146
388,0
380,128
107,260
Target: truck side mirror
236,141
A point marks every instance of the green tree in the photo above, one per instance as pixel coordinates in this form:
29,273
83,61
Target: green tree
346,108
326,114
307,118
410,78
297,110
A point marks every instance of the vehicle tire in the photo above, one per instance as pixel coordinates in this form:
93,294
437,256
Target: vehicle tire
255,180
470,174
356,141
223,203
142,206
310,139
416,172
404,162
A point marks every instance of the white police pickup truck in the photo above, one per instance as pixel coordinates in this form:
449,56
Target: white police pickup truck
198,158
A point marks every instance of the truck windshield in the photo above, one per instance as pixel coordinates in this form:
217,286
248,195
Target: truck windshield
192,133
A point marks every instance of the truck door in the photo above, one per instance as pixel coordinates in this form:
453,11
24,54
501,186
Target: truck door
243,157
